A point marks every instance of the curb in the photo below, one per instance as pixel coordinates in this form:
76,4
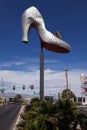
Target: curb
18,118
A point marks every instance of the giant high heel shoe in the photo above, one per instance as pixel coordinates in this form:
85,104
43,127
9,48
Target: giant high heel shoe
32,18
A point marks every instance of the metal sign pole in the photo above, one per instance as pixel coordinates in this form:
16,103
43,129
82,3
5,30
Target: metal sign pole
41,74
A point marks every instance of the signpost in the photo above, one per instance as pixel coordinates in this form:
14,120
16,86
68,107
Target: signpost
32,18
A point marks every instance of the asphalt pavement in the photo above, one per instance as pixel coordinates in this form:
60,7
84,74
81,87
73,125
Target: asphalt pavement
8,116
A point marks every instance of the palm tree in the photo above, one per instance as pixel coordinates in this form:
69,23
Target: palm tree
82,119
51,115
67,113
40,116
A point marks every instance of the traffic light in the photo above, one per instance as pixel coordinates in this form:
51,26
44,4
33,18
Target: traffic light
31,86
2,90
13,87
23,87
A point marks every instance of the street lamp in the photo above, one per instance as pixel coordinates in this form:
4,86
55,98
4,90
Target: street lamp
32,18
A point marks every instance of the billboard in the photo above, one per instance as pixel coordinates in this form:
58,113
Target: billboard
83,79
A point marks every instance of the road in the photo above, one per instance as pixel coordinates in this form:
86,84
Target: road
8,116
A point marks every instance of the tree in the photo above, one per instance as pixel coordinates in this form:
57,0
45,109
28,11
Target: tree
82,119
70,94
1,100
51,115
41,116
17,98
67,113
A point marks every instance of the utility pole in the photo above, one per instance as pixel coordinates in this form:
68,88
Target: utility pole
67,86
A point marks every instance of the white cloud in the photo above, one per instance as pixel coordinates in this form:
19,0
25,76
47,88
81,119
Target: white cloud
54,81
11,63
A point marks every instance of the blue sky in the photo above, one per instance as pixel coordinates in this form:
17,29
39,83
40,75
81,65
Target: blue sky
20,62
